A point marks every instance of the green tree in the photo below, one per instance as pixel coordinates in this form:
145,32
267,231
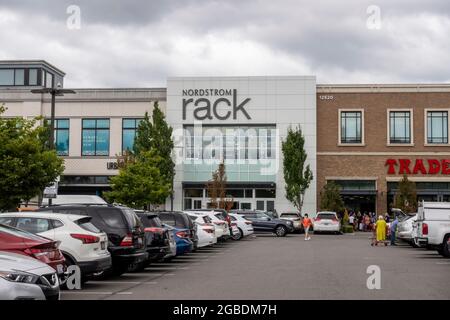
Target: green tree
331,199
139,182
27,165
296,175
157,135
406,196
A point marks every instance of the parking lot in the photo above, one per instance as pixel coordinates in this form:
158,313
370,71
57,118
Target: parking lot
266,267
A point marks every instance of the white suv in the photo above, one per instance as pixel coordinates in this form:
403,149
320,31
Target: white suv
81,242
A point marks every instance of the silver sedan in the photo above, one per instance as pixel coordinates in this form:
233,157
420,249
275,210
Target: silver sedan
26,278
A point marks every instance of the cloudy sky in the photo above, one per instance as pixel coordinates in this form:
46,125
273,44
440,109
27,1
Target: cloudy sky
137,43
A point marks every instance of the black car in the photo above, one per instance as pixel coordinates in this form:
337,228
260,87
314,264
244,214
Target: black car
263,223
180,220
126,236
157,236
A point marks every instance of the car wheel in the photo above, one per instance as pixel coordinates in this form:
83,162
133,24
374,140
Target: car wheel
446,247
281,231
237,236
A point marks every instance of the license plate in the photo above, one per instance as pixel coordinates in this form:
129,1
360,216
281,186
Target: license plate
103,245
60,268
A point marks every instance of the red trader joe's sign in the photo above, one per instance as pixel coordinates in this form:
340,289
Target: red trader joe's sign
422,166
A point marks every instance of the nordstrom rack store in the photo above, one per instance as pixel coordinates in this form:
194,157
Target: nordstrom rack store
241,121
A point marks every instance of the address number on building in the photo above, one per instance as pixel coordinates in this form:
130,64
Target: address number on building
326,97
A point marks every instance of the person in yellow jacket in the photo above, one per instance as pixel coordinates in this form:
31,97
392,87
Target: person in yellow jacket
381,229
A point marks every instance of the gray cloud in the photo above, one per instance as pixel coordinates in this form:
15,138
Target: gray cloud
139,43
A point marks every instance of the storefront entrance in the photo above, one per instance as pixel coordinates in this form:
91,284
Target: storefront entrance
244,197
360,203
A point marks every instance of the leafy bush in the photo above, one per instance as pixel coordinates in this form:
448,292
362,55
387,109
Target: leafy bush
347,229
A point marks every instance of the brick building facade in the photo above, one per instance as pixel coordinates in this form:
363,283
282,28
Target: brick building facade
368,136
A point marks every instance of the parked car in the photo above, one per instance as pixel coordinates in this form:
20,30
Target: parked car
222,228
26,278
433,227
28,244
296,219
185,233
172,243
222,215
182,240
326,221
126,236
263,223
81,242
157,236
205,230
244,226
405,229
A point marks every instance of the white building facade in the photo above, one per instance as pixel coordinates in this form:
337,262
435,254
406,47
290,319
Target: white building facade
241,121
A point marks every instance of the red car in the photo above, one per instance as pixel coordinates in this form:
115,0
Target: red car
23,242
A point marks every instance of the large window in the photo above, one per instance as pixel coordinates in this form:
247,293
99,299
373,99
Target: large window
351,127
7,77
399,127
230,142
437,127
18,77
129,128
95,137
62,136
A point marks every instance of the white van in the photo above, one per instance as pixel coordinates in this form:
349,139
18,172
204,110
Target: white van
433,226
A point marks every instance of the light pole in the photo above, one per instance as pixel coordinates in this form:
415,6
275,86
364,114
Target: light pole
58,91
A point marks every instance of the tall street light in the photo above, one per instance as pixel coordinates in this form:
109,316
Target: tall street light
58,91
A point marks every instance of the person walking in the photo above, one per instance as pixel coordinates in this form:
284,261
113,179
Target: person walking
306,225
394,226
380,228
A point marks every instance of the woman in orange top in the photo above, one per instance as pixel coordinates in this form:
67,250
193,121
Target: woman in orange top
306,225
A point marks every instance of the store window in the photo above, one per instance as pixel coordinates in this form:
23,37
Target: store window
230,143
351,127
129,129
437,127
19,77
95,137
49,80
32,77
6,77
265,193
62,136
399,127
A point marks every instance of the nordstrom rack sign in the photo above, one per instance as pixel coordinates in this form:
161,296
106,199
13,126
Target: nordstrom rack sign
207,104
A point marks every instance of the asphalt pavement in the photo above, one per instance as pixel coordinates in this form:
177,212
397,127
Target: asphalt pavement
267,267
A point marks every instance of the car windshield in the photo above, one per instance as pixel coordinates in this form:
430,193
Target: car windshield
326,216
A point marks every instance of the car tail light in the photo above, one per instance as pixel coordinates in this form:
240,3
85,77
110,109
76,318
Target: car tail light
234,224
424,229
183,234
248,222
85,238
154,230
127,241
47,250
317,219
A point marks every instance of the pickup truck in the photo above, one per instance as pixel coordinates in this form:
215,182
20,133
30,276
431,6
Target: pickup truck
433,227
